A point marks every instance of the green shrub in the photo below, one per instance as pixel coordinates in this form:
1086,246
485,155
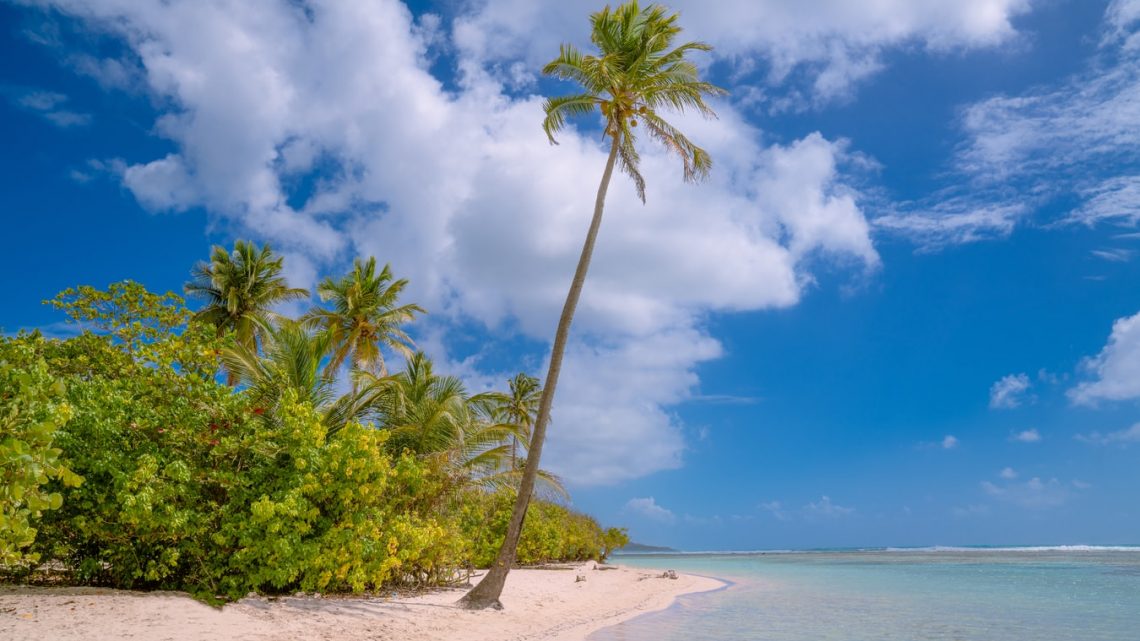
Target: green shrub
614,538
551,532
327,516
143,436
191,488
32,408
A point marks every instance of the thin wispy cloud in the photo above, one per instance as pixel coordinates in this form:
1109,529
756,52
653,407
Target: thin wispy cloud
724,399
1026,436
1074,139
826,509
776,509
972,510
49,105
1031,494
1114,255
1127,436
1010,391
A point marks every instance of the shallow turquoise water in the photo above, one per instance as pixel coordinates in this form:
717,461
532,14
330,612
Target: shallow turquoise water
917,595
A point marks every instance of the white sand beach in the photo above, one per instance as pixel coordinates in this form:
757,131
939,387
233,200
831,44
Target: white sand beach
538,604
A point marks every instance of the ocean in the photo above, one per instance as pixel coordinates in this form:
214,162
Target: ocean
1068,593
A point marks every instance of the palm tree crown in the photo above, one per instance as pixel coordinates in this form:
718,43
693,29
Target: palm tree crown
636,72
240,288
364,317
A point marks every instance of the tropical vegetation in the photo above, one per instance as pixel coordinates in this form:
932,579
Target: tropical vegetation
237,449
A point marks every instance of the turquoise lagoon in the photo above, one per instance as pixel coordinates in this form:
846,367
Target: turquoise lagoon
1067,593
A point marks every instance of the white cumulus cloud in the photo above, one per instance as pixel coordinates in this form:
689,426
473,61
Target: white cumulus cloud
649,508
833,44
1009,391
1027,436
1116,369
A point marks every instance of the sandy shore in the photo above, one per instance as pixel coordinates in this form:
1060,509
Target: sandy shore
539,604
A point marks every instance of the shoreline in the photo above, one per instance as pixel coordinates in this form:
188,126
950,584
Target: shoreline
546,604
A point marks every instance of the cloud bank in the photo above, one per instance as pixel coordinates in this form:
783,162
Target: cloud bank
319,127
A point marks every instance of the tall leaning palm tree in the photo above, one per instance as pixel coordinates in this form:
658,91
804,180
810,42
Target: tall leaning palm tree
240,289
365,317
636,72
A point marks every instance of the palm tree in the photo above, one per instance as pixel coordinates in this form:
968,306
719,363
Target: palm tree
364,317
518,407
636,72
433,417
423,412
290,359
240,288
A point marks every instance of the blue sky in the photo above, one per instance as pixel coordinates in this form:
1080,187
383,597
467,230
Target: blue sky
901,312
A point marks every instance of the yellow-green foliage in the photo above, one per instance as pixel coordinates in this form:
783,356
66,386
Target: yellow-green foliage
188,484
614,538
31,410
189,487
552,532
333,515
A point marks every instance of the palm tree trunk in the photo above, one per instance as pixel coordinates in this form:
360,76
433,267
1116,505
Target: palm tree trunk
486,593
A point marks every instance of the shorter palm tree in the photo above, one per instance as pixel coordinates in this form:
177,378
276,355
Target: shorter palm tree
518,407
433,417
292,360
365,317
240,289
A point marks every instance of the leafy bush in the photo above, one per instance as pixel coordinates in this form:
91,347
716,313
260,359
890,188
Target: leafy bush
614,538
551,532
333,515
31,411
189,487
143,436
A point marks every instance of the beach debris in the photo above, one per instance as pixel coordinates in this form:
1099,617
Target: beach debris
580,578
669,574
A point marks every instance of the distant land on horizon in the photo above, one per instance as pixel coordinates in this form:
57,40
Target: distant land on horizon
641,547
